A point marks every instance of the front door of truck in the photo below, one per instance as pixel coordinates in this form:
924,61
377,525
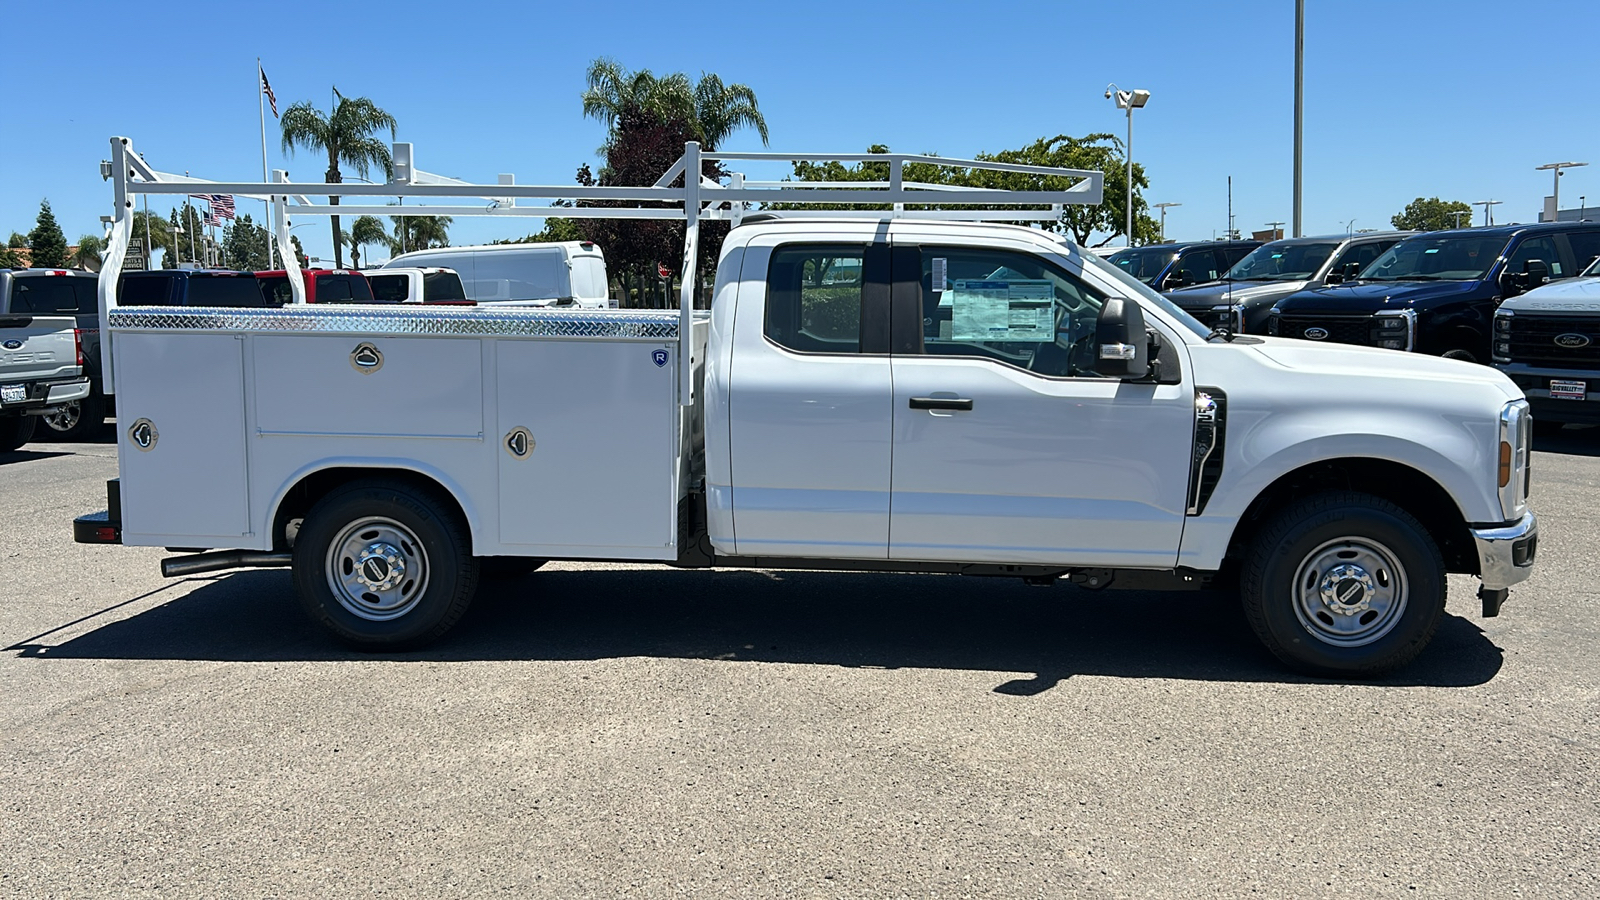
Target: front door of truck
808,400
1008,446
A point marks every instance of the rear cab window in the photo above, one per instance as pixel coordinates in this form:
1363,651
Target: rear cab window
145,290
44,295
438,286
390,288
224,290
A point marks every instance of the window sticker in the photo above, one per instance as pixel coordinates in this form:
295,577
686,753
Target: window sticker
1020,310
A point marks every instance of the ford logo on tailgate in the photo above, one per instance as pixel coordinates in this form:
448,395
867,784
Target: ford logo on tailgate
1317,334
12,345
1570,340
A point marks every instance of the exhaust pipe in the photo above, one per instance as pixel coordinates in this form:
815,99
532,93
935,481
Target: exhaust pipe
195,563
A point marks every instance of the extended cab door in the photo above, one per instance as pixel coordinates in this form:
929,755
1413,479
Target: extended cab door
1008,446
809,399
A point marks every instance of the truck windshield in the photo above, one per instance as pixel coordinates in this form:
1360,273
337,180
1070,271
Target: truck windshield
1281,262
1455,258
1137,288
1145,263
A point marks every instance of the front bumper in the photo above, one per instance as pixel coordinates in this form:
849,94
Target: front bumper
1505,558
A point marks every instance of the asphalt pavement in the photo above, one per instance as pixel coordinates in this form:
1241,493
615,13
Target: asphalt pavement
625,731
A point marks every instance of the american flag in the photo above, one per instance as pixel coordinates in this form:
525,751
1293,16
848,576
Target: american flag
222,206
266,86
212,220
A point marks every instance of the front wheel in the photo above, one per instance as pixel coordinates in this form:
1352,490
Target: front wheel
384,566
1345,585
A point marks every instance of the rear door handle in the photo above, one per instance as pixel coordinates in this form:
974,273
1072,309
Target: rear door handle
940,403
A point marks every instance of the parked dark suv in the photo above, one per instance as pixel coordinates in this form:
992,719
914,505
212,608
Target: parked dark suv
1167,267
63,292
1243,299
1437,292
191,287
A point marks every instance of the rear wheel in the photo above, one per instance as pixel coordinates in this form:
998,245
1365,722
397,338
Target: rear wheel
1463,355
77,419
1344,584
15,431
384,565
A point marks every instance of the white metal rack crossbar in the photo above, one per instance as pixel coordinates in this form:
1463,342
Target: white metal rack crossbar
709,199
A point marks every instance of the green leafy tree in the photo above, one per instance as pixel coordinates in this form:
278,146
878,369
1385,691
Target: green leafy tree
347,136
299,251
154,232
17,240
1432,214
48,243
244,245
364,232
88,254
9,259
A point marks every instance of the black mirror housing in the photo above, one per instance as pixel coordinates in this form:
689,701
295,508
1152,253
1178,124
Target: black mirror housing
1537,272
1123,346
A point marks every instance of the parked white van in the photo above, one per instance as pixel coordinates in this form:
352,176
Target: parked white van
571,273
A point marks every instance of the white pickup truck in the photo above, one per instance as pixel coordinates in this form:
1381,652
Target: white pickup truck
891,394
41,368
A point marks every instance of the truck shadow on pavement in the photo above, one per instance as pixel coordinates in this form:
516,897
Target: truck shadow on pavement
1571,441
820,618
16,456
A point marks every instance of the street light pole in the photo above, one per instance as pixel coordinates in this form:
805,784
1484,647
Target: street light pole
1163,207
1299,102
1488,209
1458,214
1277,229
1555,193
1128,100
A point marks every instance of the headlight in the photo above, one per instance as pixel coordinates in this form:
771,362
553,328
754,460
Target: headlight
1502,336
1394,330
1513,472
1272,322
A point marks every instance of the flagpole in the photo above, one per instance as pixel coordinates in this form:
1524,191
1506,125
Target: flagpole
261,101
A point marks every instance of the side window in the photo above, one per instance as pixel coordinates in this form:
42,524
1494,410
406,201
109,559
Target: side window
1540,248
1010,307
44,295
88,291
1360,254
1585,248
333,289
1232,255
814,298
1200,267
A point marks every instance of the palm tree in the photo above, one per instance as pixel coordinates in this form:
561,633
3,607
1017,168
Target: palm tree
419,233
716,110
365,231
346,136
87,256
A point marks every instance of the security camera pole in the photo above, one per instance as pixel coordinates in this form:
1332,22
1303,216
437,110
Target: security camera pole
1130,101
1163,207
1555,192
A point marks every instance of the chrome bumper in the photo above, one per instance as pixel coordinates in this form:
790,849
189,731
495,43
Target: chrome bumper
1505,558
64,393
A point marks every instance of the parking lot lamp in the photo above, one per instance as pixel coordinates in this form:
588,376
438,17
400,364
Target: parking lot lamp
1488,210
1163,208
1555,192
1130,101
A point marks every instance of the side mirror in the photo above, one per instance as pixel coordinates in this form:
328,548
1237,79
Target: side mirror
1124,346
1333,278
1535,272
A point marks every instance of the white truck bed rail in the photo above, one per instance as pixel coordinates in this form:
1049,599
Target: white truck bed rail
711,200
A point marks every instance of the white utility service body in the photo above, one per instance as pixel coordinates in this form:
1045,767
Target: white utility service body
992,400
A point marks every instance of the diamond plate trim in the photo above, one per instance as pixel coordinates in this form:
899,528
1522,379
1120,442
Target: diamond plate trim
596,324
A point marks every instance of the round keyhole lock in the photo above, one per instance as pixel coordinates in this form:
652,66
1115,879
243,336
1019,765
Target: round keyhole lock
142,433
519,443
366,358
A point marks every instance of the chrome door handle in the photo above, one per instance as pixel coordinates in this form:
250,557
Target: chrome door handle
940,403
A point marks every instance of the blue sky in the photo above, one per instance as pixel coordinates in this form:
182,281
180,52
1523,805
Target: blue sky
1456,98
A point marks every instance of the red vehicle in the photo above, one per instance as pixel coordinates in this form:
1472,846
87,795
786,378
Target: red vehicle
322,286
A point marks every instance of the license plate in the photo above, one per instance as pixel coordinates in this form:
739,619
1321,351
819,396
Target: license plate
1568,390
13,393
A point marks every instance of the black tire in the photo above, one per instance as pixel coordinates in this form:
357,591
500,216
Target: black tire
427,548
15,431
510,568
1458,353
77,420
1315,580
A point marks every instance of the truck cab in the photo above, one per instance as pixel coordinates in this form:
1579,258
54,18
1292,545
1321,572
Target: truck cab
1437,293
434,284
1167,267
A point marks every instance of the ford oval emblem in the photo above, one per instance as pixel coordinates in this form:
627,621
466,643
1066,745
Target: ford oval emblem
12,345
1317,334
1570,340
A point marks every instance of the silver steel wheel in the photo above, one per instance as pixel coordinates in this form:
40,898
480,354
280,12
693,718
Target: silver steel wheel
377,569
1350,591
65,417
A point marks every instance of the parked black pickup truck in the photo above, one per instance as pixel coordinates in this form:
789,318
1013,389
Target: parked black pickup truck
1437,292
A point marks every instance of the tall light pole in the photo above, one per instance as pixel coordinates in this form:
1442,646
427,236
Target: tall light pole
1163,208
1130,101
1488,209
1299,101
1458,213
1277,229
1349,227
1582,209
1555,193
